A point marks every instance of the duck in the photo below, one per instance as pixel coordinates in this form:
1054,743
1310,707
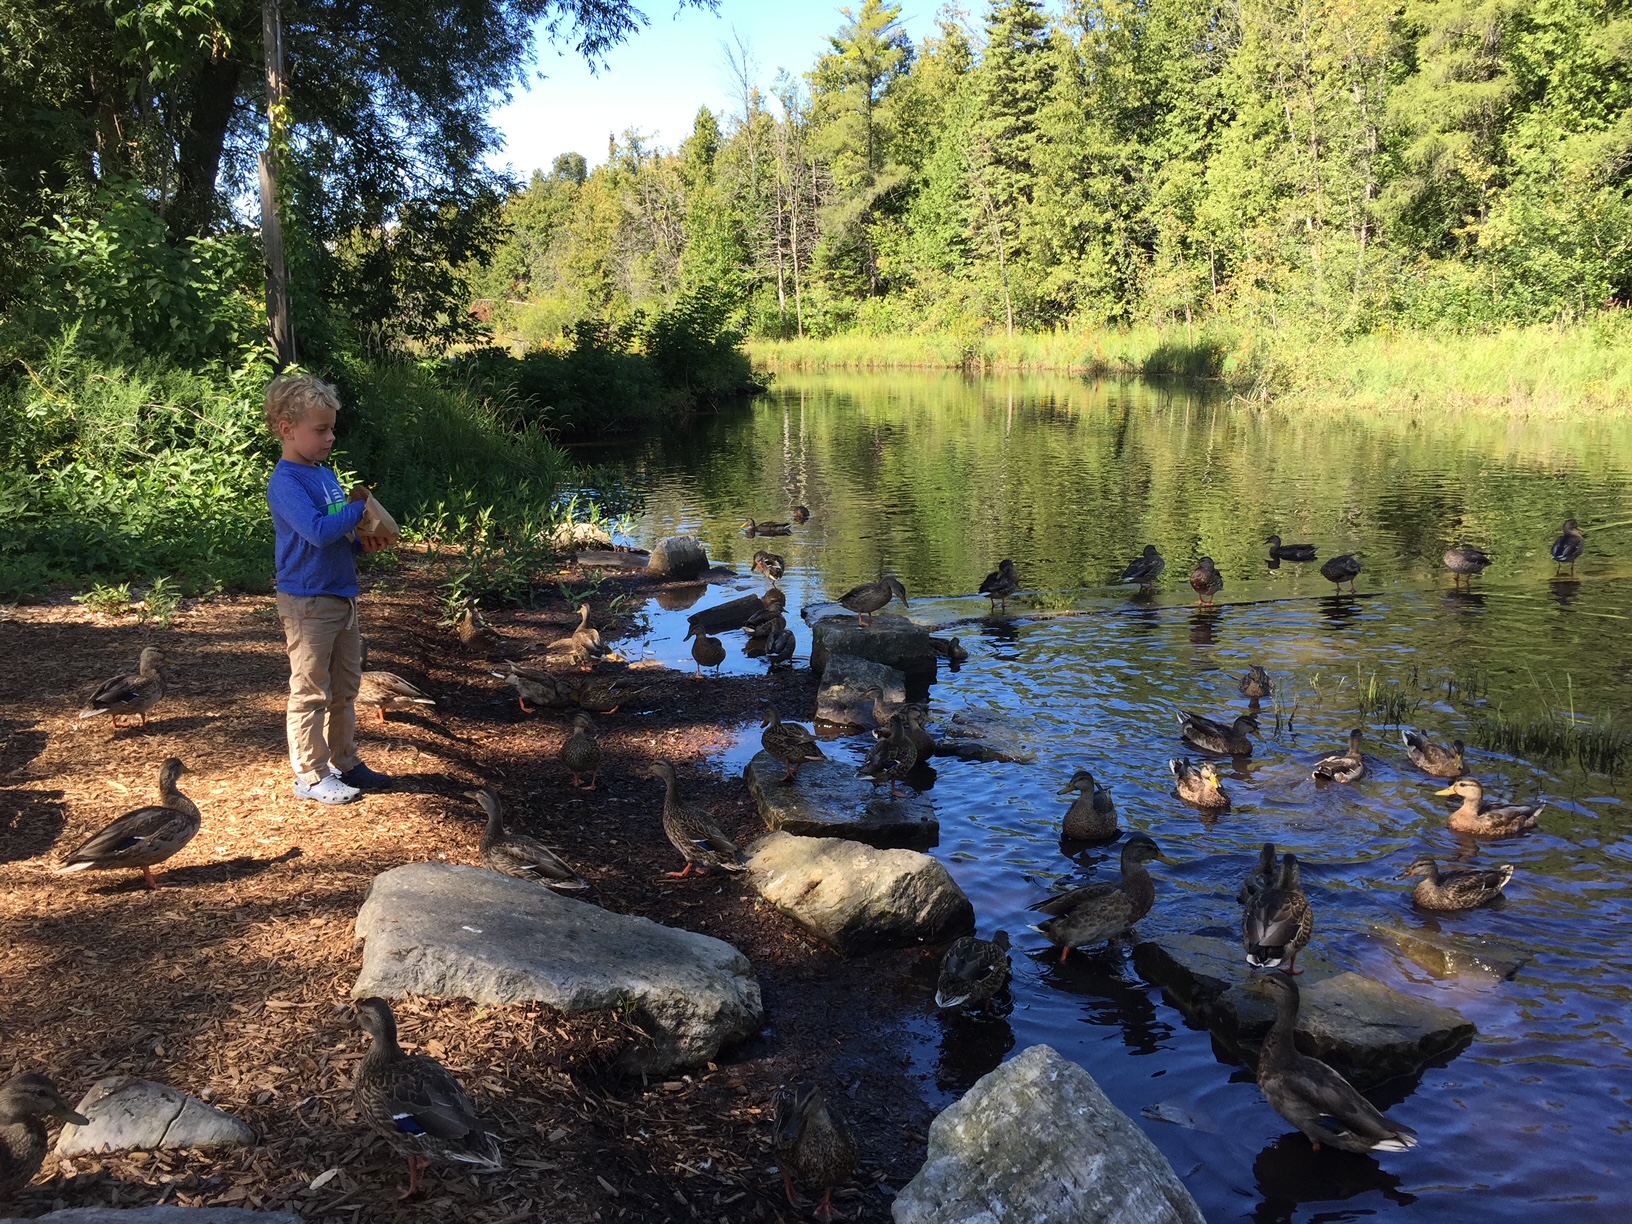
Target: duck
1290,552
1092,815
1486,817
779,649
26,1100
892,757
1569,545
773,603
1309,1094
800,514
972,972
813,1144
1432,758
1256,684
588,647
751,528
789,743
916,715
1261,876
1145,569
144,837
1206,581
1214,737
869,597
1001,583
519,856
1454,890
692,831
951,649
579,752
1198,784
1341,569
480,638
1343,766
415,1103
601,696
759,636
1466,562
770,564
708,652
1095,913
383,690
1278,921
541,688
132,694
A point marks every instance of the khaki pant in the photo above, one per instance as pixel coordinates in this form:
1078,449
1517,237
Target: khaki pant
325,668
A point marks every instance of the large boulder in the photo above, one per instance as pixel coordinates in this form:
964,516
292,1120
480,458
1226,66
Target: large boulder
160,1215
462,932
842,696
679,557
1036,1140
719,618
828,800
128,1114
858,898
891,640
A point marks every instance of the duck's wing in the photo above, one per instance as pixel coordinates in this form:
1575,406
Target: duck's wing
1065,902
1272,919
131,833
425,1099
1322,1092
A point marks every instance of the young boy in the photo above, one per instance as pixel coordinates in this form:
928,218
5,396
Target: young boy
317,593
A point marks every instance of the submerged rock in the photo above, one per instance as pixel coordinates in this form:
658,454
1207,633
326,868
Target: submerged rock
1449,955
129,1114
679,556
1036,1140
842,698
891,640
828,800
986,735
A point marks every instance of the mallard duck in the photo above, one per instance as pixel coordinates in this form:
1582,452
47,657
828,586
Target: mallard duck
972,971
383,690
415,1104
1278,921
480,638
773,603
950,649
1454,890
813,1145
708,652
1206,581
588,647
1198,784
520,856
1097,912
1567,548
1487,817
1343,766
541,688
1466,562
780,646
869,597
144,837
1215,737
132,694
1433,758
770,564
1261,876
579,752
789,743
25,1100
749,527
1290,552
692,831
1256,684
800,514
1092,815
1145,569
1341,569
892,757
1001,583
760,634
916,716
1306,1092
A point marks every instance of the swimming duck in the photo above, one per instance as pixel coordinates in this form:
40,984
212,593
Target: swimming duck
144,837
869,597
1097,912
1466,562
892,757
1290,552
1206,581
812,1143
541,688
1215,737
1261,876
1306,1092
950,649
1487,817
415,1104
1341,569
692,831
1145,569
1568,547
588,647
1001,583
1343,766
789,743
972,971
1256,684
134,693
1092,815
708,652
770,564
779,648
25,1100
1454,890
1278,921
751,528
800,514
383,690
520,856
1199,786
579,752
1433,758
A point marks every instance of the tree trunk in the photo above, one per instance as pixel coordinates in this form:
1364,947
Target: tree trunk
193,208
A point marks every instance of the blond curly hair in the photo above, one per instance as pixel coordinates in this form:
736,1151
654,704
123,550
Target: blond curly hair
291,397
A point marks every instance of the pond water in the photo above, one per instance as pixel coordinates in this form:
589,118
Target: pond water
934,478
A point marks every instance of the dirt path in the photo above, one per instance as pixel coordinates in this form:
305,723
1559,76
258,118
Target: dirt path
233,984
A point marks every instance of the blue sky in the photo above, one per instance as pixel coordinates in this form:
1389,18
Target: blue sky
657,80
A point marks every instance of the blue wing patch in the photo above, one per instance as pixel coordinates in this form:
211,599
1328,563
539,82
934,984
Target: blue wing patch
408,1124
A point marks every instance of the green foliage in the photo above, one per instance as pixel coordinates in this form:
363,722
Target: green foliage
107,599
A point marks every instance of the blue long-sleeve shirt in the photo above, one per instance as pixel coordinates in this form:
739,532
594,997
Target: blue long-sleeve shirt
312,519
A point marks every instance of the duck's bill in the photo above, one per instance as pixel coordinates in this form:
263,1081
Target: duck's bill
1449,790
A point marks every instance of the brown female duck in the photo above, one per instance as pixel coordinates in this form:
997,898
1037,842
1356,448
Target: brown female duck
1569,545
1255,684
1466,563
1145,569
1343,766
1278,922
1290,552
869,597
1487,817
25,1101
1097,912
1432,758
579,752
1199,784
972,971
1341,569
520,856
145,837
1092,814
692,831
789,743
812,1143
133,694
1454,890
1214,737
1206,581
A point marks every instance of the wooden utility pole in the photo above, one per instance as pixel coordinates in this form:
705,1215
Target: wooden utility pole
277,272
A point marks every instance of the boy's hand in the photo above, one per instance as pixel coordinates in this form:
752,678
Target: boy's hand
359,492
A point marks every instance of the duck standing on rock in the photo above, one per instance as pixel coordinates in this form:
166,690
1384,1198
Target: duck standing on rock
1432,758
1290,552
813,1145
1214,737
1261,877
1466,563
1199,784
1309,1094
1343,766
25,1101
869,597
692,831
1092,815
1569,545
1278,922
132,694
1448,891
1145,569
580,753
1001,583
415,1104
972,972
1206,581
789,743
1338,570
519,856
145,837
892,757
1095,913
1488,817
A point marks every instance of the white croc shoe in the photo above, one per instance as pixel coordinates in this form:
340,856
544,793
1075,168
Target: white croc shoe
330,790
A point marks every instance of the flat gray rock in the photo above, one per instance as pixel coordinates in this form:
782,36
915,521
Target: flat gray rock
462,932
858,898
985,735
611,559
828,800
1036,1140
842,696
160,1215
891,640
128,1114
680,556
